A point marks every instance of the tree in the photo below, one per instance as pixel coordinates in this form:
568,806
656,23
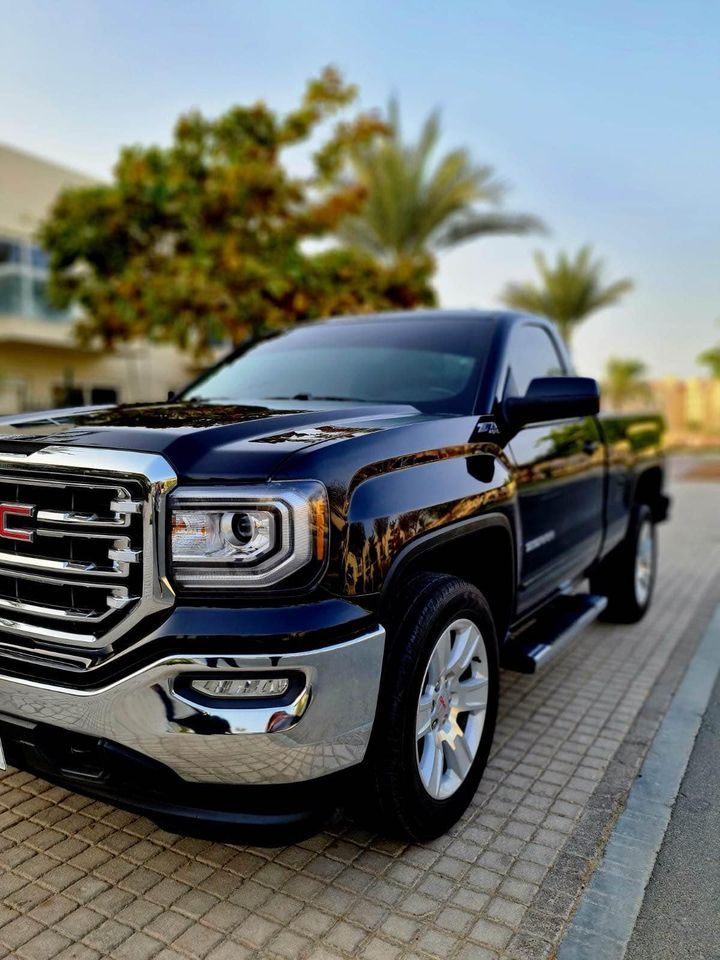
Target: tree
569,290
413,207
205,239
711,359
624,382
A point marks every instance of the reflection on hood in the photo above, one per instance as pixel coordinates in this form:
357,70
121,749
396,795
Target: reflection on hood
204,438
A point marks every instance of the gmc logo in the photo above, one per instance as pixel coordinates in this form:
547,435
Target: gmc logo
8,510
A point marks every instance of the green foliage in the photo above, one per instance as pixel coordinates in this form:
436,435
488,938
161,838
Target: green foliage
711,359
207,239
624,382
568,292
412,207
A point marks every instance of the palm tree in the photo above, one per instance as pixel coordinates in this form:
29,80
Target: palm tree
413,207
570,290
711,359
624,381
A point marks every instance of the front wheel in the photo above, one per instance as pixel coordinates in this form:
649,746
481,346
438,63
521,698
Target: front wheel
437,709
627,575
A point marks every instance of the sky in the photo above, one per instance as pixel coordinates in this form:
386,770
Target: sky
601,116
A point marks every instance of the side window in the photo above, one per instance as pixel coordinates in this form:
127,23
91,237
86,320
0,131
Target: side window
531,353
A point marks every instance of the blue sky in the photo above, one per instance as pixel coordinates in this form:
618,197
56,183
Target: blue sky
603,116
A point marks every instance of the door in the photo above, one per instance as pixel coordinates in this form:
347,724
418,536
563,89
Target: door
560,475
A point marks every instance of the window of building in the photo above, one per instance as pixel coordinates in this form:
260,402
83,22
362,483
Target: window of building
69,394
11,293
65,395
10,251
23,282
38,258
103,395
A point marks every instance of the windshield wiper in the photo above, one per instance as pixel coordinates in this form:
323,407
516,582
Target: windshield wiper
313,396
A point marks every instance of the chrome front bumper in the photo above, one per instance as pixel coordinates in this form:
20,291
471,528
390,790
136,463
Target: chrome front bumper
324,729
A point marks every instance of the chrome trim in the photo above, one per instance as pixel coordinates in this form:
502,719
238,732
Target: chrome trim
110,597
120,517
24,655
40,481
85,519
38,611
119,554
117,601
112,467
61,566
124,555
117,568
115,589
328,724
126,508
22,629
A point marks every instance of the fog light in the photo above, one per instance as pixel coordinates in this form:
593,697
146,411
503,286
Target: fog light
247,687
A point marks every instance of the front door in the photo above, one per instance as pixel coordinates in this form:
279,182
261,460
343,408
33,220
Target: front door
560,475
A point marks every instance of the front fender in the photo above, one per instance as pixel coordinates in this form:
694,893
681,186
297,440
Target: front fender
396,505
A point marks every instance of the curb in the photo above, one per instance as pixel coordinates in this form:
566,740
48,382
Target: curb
605,918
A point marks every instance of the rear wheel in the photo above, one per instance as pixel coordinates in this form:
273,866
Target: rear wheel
437,709
627,575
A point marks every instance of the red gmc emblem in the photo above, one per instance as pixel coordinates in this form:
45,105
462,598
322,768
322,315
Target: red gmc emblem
8,510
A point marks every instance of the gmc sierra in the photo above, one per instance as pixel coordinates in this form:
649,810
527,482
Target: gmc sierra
292,585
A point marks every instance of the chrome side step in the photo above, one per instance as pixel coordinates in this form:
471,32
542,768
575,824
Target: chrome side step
550,631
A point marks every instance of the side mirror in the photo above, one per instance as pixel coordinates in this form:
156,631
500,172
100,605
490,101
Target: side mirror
552,398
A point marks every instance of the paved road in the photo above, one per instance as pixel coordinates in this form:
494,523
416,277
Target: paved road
80,880
680,916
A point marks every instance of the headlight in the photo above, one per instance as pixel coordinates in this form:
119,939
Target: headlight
248,537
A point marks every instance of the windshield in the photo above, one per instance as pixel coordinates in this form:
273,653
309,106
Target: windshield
433,363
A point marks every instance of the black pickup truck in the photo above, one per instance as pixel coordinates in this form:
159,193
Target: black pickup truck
292,586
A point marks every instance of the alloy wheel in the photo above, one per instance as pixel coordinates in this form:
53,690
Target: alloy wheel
451,708
644,562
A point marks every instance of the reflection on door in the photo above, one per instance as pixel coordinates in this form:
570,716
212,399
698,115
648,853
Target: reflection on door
560,475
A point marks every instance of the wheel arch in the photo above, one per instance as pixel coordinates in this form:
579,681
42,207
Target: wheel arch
649,490
480,550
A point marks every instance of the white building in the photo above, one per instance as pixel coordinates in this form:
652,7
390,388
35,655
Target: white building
41,363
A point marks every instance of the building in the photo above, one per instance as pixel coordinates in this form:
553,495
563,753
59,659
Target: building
41,363
691,409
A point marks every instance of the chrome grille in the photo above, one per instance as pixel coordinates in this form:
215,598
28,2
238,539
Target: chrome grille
84,563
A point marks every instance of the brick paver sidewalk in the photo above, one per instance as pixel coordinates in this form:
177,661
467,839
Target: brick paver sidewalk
81,880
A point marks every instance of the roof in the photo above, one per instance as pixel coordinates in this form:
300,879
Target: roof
422,315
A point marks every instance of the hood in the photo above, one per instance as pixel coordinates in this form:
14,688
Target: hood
206,441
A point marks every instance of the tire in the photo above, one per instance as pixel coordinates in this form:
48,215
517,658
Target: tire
627,575
440,616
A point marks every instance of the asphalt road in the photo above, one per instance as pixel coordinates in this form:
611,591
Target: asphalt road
680,915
